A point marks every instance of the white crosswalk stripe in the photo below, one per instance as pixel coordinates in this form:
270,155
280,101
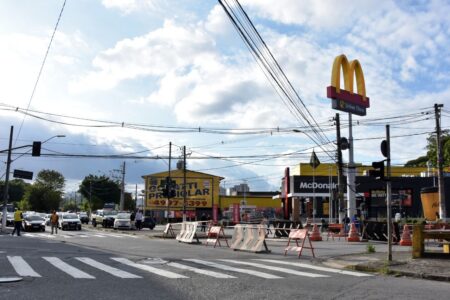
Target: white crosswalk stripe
277,269
318,268
199,271
111,270
22,267
66,268
233,269
148,268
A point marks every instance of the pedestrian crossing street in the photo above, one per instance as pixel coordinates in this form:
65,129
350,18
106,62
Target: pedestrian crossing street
123,268
68,235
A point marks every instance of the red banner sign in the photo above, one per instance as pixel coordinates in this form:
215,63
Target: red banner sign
236,213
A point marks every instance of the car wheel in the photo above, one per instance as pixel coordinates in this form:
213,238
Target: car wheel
94,223
79,227
43,229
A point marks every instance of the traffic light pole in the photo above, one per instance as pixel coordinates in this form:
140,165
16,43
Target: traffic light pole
5,190
184,184
388,192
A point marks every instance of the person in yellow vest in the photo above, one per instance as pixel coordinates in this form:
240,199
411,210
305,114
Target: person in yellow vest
17,221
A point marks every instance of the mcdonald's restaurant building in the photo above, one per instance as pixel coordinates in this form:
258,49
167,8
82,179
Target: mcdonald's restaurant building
202,197
309,187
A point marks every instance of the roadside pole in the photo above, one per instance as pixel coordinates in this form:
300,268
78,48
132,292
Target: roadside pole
169,184
184,184
440,162
388,193
5,190
340,199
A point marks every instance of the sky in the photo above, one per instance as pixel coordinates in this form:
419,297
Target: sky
128,77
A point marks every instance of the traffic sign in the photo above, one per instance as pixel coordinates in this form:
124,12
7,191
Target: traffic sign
23,174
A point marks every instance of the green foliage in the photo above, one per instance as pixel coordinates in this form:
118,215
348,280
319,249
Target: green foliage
70,205
432,151
24,205
46,193
129,203
370,248
16,189
100,190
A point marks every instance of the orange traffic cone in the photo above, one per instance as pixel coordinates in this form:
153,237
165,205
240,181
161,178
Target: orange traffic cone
315,234
406,237
353,235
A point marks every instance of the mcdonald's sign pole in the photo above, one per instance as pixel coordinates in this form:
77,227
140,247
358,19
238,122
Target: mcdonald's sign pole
353,103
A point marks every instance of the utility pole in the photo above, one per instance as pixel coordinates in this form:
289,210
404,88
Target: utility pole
350,172
184,184
135,196
5,190
440,162
169,184
339,170
389,192
122,194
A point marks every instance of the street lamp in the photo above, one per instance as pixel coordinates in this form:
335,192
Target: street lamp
8,166
55,136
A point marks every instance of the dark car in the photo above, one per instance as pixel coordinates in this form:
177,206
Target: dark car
149,223
83,217
108,218
33,222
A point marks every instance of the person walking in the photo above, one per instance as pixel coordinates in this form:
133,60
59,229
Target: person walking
54,218
17,221
138,219
203,221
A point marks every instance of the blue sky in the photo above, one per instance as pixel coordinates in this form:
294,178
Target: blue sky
181,63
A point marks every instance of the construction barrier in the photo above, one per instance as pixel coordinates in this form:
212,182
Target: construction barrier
215,234
188,232
406,237
249,238
378,231
336,230
353,235
168,231
299,235
283,228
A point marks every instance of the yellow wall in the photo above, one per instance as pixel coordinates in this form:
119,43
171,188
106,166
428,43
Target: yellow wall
227,201
326,169
202,190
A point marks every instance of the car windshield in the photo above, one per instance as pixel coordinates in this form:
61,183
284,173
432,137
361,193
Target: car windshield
123,216
110,213
34,218
83,214
70,216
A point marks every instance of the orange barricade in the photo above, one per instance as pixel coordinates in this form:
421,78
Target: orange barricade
336,230
296,235
215,233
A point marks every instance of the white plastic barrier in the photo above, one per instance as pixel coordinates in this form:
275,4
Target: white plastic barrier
188,232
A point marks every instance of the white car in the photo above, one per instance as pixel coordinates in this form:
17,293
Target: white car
122,221
69,221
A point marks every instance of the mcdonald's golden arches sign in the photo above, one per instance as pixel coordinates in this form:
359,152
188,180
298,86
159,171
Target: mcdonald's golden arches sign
345,99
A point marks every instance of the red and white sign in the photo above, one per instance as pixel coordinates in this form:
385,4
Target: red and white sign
215,211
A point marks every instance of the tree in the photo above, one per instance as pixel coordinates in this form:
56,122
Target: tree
129,203
431,155
46,193
100,190
16,190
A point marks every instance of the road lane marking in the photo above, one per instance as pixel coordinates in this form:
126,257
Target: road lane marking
108,269
22,267
66,268
318,268
233,269
99,235
200,271
277,269
148,268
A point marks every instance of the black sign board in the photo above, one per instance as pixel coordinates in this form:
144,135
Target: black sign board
23,174
346,106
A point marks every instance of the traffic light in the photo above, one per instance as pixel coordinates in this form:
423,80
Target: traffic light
36,149
378,173
169,189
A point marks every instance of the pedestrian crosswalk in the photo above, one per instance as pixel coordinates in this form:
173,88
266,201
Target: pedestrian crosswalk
68,235
124,268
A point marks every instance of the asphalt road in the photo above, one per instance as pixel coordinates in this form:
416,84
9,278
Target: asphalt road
97,264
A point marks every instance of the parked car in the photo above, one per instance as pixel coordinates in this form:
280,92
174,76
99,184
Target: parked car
83,216
97,217
148,222
47,219
69,221
122,221
33,222
9,219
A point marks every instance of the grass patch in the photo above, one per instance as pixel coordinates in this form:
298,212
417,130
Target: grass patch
370,248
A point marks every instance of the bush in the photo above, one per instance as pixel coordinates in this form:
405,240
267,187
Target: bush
370,248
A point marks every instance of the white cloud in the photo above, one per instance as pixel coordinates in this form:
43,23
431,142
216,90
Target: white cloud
129,6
